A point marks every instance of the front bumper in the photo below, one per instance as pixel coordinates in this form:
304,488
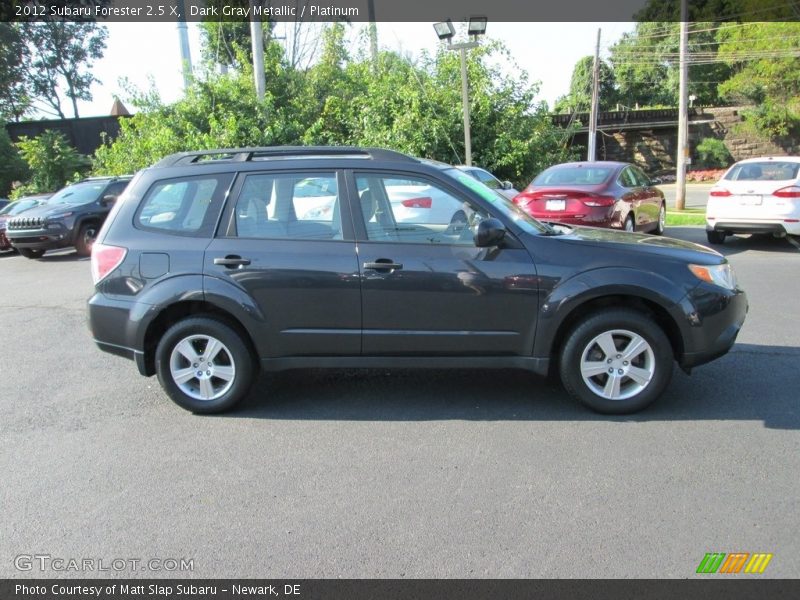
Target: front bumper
711,320
39,239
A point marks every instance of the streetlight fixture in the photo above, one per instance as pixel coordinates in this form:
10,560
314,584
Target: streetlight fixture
446,31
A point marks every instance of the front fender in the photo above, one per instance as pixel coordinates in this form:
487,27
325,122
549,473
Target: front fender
570,294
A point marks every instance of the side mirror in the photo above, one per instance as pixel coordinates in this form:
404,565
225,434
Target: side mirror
656,181
507,185
108,199
490,232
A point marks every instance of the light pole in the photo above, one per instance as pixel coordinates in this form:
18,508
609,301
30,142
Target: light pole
446,31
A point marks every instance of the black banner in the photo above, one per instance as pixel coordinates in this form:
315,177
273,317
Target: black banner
395,11
730,588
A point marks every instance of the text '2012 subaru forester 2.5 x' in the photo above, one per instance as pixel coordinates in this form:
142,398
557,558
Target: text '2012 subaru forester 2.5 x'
216,263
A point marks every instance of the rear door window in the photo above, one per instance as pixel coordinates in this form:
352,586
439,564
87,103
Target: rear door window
300,206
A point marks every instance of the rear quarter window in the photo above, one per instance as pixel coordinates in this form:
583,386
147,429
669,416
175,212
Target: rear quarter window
183,205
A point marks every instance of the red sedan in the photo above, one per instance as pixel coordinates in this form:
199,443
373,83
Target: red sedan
597,194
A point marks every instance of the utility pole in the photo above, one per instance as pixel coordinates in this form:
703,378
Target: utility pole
183,37
683,114
373,34
465,103
595,102
257,39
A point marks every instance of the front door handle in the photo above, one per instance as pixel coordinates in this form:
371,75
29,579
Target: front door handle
383,264
232,261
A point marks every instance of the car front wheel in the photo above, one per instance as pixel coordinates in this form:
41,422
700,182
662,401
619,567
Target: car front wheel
31,252
204,365
616,361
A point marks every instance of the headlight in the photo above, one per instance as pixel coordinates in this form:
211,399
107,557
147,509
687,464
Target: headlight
721,275
60,216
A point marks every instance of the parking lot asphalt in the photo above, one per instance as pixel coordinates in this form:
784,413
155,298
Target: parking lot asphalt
396,473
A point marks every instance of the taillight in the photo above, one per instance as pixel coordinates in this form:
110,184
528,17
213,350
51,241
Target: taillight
105,259
599,201
423,202
792,191
719,192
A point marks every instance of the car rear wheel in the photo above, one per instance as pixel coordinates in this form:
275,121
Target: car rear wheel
662,220
86,237
31,252
204,365
629,226
715,237
616,361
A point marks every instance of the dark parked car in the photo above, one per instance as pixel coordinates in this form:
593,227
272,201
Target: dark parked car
71,217
13,209
4,202
205,272
598,194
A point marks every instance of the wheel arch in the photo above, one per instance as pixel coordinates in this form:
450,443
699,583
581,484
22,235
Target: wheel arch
591,306
178,311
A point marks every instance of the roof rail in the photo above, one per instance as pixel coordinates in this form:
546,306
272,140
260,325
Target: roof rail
279,152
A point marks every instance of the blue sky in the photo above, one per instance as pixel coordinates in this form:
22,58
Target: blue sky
150,51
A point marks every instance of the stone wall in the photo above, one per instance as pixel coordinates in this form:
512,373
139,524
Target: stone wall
740,143
655,149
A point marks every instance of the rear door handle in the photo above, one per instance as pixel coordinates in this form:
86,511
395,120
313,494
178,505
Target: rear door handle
383,264
232,261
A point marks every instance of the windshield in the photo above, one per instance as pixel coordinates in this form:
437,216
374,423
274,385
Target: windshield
501,203
577,175
763,171
18,206
79,193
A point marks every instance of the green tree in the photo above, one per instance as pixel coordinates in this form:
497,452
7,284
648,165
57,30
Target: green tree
217,111
14,96
62,55
579,98
52,162
766,73
346,98
12,167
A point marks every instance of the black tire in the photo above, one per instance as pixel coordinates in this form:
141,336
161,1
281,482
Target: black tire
630,224
662,219
233,353
31,252
657,360
715,237
87,234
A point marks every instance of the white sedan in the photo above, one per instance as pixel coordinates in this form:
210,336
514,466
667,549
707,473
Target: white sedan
757,195
504,188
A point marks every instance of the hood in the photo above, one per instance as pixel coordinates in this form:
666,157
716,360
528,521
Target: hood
47,210
640,242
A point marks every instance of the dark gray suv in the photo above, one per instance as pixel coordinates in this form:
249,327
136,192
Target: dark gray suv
216,263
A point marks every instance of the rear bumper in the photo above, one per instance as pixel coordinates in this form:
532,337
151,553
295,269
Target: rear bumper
777,226
105,317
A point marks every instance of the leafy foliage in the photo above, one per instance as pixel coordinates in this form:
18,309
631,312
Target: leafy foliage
579,98
349,99
12,167
52,161
712,153
14,95
62,54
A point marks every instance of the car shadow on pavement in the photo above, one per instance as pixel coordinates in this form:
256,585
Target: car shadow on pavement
752,383
733,244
